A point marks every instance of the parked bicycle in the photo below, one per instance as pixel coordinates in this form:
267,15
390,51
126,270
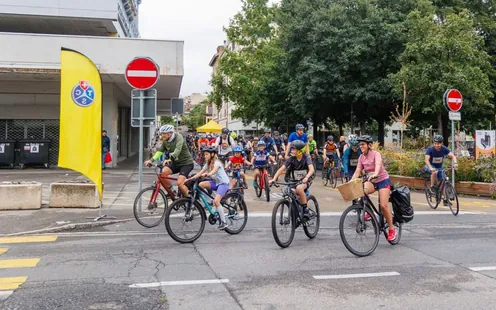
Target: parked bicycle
192,210
443,190
150,212
291,215
262,182
363,217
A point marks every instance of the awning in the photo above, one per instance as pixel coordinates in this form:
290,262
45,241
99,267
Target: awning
211,126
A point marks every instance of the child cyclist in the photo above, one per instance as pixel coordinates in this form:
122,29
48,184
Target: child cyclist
237,161
220,184
260,158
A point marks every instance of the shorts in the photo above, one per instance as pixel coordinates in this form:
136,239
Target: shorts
220,189
383,184
440,176
183,170
351,171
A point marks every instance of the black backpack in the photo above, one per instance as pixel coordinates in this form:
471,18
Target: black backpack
403,210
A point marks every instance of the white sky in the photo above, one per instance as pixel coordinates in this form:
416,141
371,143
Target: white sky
196,22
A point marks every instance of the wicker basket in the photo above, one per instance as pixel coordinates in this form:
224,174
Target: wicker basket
351,190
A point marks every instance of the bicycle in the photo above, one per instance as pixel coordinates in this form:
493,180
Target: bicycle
442,188
152,206
329,173
379,225
262,182
195,207
294,217
240,185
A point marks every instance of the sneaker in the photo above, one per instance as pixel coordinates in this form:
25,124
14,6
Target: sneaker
366,217
432,190
223,225
445,202
391,235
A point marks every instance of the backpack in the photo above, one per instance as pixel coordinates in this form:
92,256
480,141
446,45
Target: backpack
403,210
228,140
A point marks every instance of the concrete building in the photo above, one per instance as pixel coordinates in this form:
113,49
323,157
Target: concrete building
31,36
193,99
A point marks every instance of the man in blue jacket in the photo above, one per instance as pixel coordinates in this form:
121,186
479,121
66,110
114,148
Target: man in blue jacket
350,158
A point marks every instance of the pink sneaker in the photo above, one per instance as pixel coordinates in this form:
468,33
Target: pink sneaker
391,235
366,217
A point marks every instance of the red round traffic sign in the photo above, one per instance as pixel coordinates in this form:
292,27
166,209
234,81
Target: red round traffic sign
454,100
142,73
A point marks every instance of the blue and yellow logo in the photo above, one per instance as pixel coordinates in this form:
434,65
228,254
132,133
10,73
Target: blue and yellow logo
83,94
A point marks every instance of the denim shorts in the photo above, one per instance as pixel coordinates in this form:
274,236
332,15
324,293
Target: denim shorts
383,184
439,172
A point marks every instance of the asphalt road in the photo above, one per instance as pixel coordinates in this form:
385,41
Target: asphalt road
439,264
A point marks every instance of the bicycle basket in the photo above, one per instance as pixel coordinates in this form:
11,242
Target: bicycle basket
351,190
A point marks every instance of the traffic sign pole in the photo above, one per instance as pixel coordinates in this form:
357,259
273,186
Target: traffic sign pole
453,102
140,169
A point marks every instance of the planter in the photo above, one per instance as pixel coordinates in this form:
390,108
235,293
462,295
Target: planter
73,195
467,188
20,195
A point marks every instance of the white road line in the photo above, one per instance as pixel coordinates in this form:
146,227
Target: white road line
5,294
357,275
487,268
334,214
175,283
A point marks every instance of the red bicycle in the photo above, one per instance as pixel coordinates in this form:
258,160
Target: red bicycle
262,182
155,200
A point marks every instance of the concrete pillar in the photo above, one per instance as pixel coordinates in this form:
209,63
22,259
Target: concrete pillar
110,120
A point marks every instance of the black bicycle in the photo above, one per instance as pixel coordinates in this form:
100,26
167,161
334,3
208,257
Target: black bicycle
329,173
361,218
191,210
288,214
240,185
442,189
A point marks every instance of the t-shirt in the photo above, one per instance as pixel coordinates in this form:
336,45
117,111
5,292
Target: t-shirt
225,145
203,142
312,145
298,169
221,176
279,143
367,162
437,157
269,143
294,136
330,148
237,161
261,158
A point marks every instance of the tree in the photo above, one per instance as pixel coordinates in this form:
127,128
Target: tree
441,55
403,116
167,120
197,116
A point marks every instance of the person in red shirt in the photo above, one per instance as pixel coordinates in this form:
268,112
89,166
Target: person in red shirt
237,161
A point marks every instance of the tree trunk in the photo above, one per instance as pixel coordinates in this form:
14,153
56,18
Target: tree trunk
363,128
380,134
340,129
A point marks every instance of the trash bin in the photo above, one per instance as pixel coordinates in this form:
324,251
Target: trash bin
7,153
34,152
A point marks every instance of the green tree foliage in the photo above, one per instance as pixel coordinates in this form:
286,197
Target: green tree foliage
167,120
197,116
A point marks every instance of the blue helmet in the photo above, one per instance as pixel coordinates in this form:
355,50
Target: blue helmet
261,143
237,148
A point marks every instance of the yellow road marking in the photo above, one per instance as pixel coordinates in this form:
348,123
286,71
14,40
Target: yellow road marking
3,250
19,263
28,239
11,283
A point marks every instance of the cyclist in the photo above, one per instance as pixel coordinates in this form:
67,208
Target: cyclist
300,168
203,141
378,180
280,145
347,145
342,144
350,157
220,181
434,156
312,147
237,161
299,134
248,148
224,143
260,158
331,151
270,144
180,160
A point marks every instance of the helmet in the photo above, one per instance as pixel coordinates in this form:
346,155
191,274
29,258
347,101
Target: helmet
330,138
166,129
261,143
209,137
299,126
237,148
225,131
353,141
438,138
351,137
275,133
203,136
255,139
267,131
367,139
298,144
210,149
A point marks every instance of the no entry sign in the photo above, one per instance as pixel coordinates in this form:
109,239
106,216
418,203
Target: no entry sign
453,100
142,73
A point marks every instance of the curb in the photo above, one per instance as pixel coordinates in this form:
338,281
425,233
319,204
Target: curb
67,227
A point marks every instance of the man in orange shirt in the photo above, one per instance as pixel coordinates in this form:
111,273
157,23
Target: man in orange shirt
202,142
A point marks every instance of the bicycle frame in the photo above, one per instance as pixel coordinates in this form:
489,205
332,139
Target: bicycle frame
293,199
161,181
263,172
200,193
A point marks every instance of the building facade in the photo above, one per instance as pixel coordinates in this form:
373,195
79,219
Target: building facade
106,31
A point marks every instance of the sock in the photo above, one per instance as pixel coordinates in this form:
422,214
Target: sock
221,213
304,206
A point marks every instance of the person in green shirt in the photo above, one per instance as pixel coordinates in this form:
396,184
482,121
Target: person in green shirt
312,147
180,160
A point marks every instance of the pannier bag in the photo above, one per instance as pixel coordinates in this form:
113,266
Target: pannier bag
403,210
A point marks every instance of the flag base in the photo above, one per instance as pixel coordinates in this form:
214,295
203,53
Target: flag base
102,216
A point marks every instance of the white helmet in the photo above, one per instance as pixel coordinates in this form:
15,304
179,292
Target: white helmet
166,129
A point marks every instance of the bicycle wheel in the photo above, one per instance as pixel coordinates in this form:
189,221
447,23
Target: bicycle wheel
236,213
151,214
333,179
452,197
258,188
282,215
267,188
432,200
178,213
311,227
325,178
352,219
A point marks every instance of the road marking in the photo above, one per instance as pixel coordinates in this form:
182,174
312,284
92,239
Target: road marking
487,268
19,263
28,239
357,275
11,283
3,250
331,214
5,294
174,283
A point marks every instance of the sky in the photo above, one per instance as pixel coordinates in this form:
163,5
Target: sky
196,22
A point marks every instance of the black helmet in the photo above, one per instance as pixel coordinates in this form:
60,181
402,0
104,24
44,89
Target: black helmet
275,133
210,149
438,138
225,131
367,139
298,144
299,126
330,138
267,131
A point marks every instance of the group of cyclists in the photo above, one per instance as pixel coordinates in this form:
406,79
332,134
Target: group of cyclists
296,153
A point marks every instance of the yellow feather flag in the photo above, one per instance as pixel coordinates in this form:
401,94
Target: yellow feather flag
80,145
